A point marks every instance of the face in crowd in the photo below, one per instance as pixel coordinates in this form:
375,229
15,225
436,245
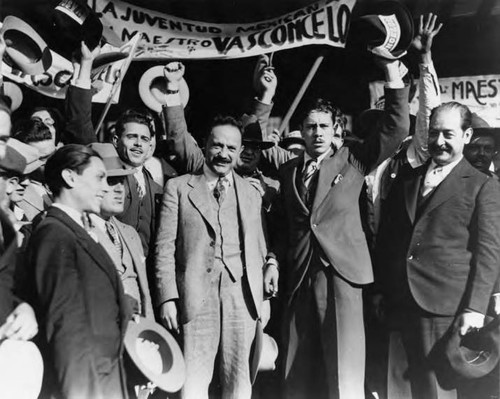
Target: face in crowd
320,133
480,152
223,149
133,144
48,120
16,187
249,159
88,187
114,198
447,136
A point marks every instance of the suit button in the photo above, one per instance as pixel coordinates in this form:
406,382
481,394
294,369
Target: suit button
410,257
315,225
212,243
393,175
209,270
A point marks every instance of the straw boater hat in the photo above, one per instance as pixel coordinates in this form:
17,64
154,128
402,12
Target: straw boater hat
13,94
481,128
386,27
20,158
156,354
153,88
293,138
26,50
263,353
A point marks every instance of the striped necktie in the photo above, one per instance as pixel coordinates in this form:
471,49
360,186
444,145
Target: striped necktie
113,235
310,170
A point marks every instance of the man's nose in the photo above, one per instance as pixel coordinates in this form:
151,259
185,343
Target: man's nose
440,139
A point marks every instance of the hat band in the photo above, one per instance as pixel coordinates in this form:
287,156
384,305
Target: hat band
393,32
70,13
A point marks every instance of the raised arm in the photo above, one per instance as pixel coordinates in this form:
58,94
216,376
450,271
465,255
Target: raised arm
428,85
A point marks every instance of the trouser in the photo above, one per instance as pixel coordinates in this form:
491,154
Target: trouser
223,326
326,340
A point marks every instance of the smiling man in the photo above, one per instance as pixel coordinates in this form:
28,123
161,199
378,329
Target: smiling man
80,297
210,254
132,140
439,244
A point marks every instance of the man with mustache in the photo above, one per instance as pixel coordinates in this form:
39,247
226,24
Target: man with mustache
320,235
483,145
210,255
439,244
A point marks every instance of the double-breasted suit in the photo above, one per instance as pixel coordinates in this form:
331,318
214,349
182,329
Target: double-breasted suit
82,309
327,240
437,258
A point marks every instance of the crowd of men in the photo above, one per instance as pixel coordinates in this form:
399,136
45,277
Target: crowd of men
334,239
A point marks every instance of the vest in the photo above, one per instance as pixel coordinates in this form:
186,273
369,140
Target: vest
227,234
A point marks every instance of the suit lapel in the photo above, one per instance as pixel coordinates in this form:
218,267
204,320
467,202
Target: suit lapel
330,168
200,198
243,201
95,250
449,187
412,191
294,171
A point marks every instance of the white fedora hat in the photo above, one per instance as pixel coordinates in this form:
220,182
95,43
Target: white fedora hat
153,88
26,50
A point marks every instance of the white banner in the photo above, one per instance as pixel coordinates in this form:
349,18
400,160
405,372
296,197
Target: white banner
164,36
55,81
480,93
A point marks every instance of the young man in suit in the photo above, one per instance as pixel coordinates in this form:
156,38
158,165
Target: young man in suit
321,237
439,244
121,241
210,254
79,293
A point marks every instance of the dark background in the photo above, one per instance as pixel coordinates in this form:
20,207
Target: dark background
468,44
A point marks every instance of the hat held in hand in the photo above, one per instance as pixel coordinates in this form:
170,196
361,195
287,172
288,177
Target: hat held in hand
26,50
386,27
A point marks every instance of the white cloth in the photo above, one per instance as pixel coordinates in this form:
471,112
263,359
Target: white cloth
436,174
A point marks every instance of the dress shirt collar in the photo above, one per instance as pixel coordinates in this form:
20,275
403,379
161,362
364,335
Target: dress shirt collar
98,221
71,212
318,160
445,169
213,177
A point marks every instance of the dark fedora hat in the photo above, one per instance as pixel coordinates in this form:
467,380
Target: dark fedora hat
481,128
112,162
26,50
74,21
475,354
252,137
386,27
156,354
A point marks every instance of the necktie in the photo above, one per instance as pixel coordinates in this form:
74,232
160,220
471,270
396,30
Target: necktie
220,189
310,170
141,184
432,180
113,235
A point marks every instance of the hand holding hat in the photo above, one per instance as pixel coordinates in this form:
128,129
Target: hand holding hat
470,321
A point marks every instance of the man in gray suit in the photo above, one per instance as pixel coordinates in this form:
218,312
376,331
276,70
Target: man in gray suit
121,241
210,253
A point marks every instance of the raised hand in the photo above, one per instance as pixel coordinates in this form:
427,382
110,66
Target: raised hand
173,72
427,30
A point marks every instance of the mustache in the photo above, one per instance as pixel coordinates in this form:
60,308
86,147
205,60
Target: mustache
436,147
222,159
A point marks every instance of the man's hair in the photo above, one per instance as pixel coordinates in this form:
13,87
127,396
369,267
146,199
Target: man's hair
71,156
141,116
322,105
465,114
32,131
225,120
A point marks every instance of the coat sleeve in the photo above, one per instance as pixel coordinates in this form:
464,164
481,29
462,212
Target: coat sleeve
486,260
62,303
166,285
391,129
78,109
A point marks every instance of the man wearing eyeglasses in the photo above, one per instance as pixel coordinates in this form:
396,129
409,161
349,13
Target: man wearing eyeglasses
132,139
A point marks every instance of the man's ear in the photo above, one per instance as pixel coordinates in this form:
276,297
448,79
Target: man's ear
68,176
114,140
468,135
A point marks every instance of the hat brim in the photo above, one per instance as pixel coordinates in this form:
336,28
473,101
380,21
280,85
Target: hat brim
493,132
102,60
32,167
152,89
38,57
173,374
261,144
476,354
256,351
292,140
119,172
15,94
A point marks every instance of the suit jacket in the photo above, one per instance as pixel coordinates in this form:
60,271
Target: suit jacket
152,200
185,246
333,222
444,253
82,309
8,249
133,243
